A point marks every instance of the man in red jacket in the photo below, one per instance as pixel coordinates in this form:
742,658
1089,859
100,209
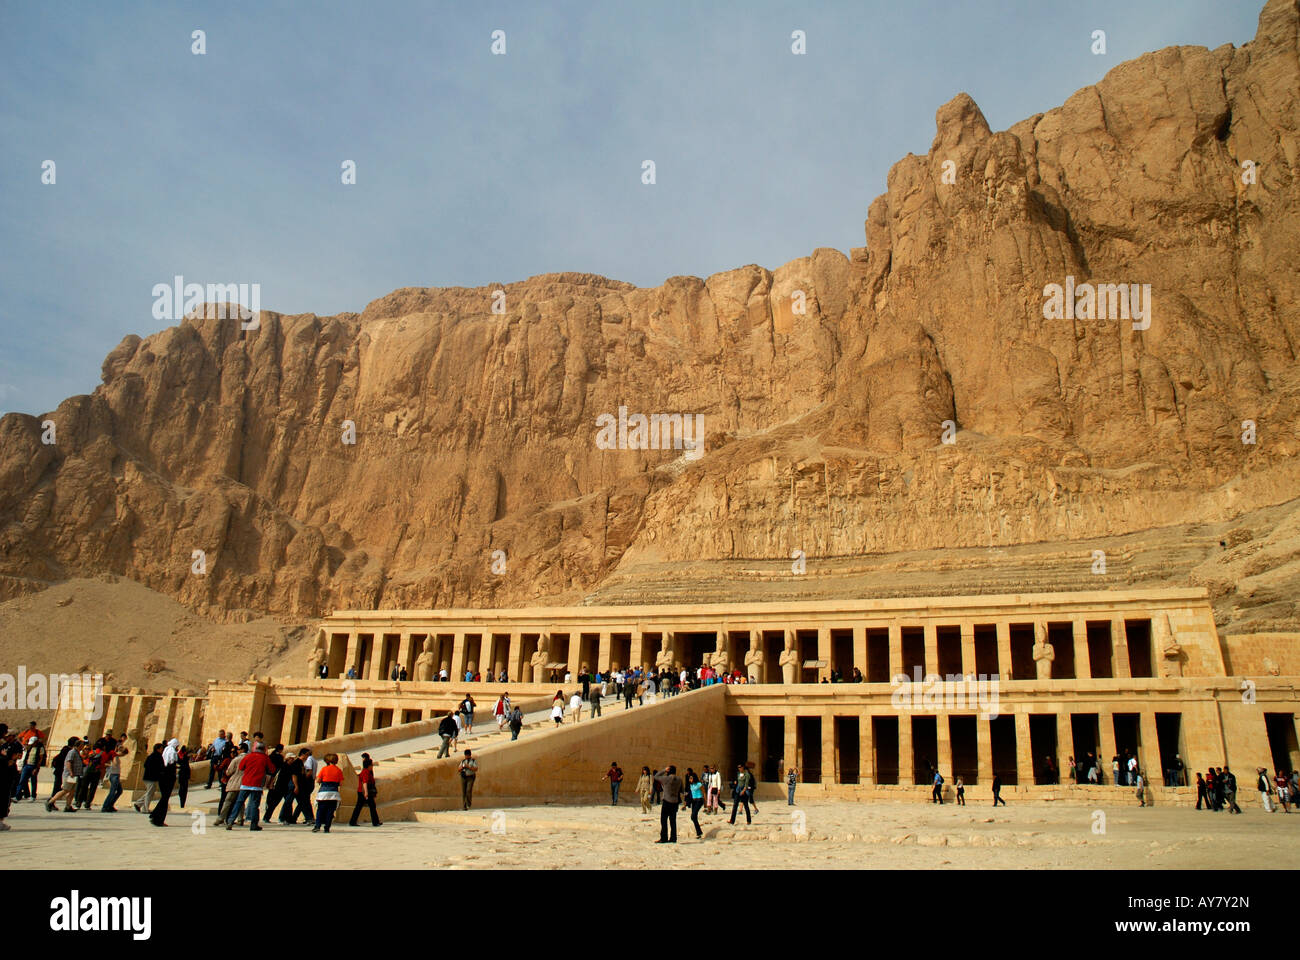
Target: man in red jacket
253,770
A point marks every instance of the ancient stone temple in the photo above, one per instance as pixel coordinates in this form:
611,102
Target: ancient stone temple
1012,685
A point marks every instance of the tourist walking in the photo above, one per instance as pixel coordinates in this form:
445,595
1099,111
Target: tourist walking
629,691
216,751
182,774
72,767
791,779
114,774
1230,790
713,778
1200,792
696,795
997,790
961,792
1265,789
33,759
1210,802
502,711
304,779
557,709
575,706
365,792
251,775
740,792
467,711
671,785
1140,781
615,777
447,730
282,787
468,771
595,700
1283,791
329,780
516,722
149,778
936,795
645,788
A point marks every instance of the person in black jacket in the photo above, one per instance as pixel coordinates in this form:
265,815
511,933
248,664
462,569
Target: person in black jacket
152,773
448,730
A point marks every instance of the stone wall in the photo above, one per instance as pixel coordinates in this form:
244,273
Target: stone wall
565,765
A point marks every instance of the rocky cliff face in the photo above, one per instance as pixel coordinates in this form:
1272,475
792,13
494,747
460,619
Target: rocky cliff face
826,387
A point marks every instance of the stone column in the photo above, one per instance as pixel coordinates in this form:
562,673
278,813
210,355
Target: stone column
459,644
1105,744
866,752
859,652
340,722
830,756
906,765
190,717
404,653
1024,751
790,750
944,759
968,649
1149,751
1119,646
603,650
1004,649
931,649
983,750
515,657
636,652
825,652
354,646
378,666
1082,663
895,651
1064,743
368,720
753,744
575,654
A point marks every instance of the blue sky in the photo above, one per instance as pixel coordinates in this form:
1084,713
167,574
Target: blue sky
473,168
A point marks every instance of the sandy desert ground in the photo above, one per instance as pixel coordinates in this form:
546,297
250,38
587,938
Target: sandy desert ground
819,834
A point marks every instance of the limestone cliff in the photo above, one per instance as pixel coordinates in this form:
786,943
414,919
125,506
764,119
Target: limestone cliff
476,432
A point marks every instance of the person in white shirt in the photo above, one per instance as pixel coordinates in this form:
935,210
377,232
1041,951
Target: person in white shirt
575,705
650,689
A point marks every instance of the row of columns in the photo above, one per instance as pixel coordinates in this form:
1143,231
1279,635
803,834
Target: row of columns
1148,749
377,665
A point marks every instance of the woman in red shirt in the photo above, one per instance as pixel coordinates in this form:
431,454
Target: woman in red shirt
365,792
328,782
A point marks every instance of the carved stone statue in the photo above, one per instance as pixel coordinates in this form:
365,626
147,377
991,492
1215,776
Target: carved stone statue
316,659
424,662
1171,652
664,660
789,659
1271,667
720,659
536,669
754,662
1044,653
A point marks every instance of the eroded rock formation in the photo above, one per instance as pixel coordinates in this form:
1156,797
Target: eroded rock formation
475,432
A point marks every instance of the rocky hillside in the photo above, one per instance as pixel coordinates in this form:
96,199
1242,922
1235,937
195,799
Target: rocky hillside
824,388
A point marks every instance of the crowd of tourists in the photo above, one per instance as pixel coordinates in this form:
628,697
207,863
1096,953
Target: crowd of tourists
249,775
700,792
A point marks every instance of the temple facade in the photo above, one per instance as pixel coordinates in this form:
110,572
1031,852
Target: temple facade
860,697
